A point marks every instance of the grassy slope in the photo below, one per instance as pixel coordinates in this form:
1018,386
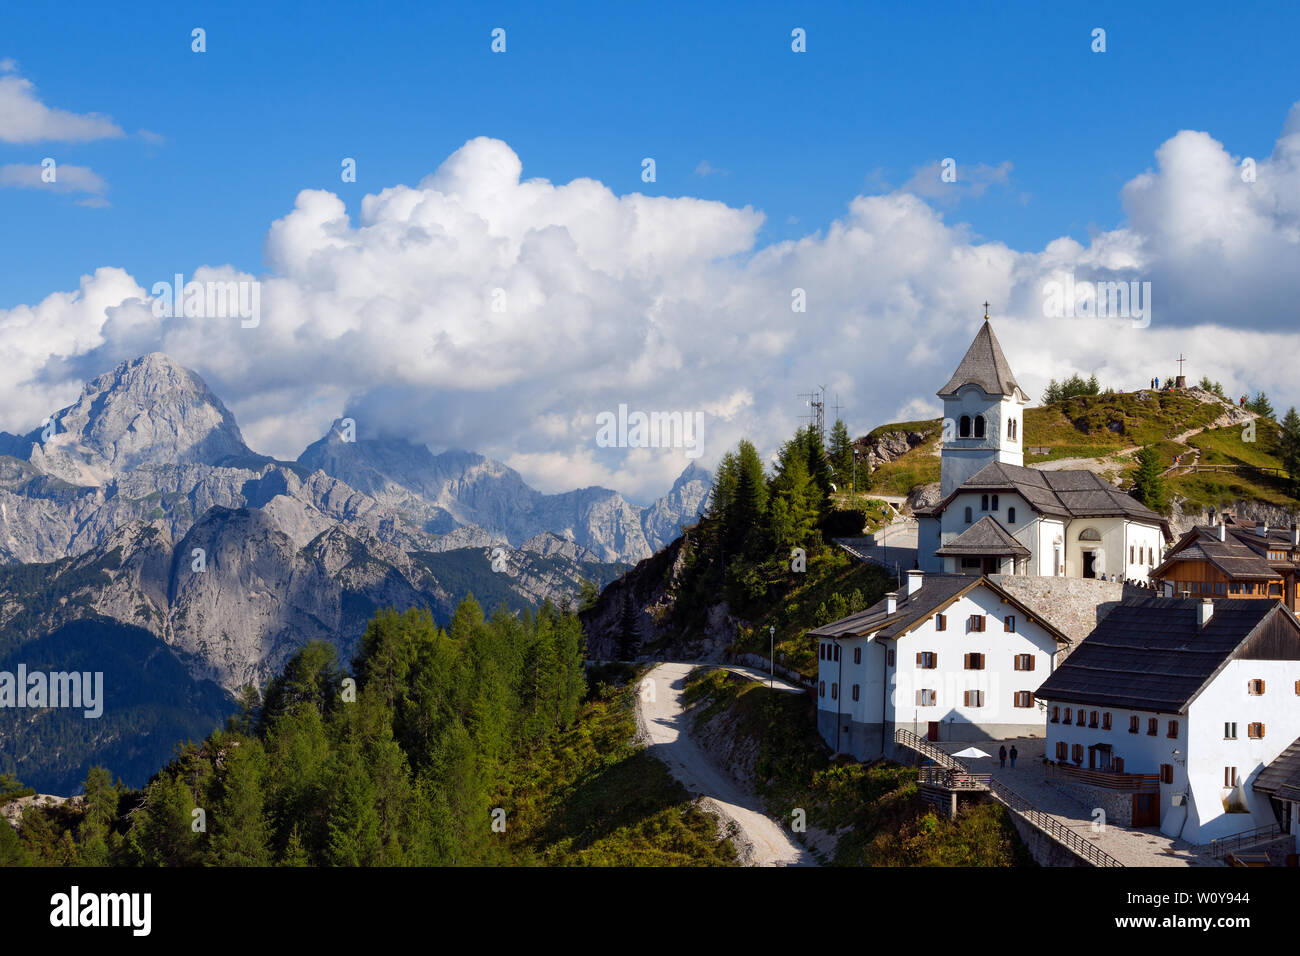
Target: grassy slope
831,572
596,798
1101,425
875,809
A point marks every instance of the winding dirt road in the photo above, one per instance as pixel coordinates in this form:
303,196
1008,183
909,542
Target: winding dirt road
662,726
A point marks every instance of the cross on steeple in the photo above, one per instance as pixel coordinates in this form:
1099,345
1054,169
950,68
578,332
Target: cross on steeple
986,311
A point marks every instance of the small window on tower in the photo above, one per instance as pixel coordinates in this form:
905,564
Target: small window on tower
963,428
979,426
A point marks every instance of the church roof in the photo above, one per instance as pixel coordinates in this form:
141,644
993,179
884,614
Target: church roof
1059,494
984,366
985,536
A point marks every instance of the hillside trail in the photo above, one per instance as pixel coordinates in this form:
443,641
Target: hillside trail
1111,462
662,726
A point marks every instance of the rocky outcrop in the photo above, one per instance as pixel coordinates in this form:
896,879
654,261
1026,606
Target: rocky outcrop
890,446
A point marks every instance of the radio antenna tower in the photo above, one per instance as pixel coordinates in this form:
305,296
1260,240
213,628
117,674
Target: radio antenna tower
817,401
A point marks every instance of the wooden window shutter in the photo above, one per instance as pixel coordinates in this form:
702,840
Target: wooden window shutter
920,656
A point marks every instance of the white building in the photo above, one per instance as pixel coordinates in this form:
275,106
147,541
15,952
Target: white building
1279,783
955,658
996,516
1179,705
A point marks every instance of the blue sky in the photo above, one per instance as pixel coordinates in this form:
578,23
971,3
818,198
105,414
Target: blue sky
775,170
590,89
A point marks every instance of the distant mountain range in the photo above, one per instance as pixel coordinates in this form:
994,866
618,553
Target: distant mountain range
140,509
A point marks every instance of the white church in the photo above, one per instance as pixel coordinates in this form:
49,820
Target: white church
995,516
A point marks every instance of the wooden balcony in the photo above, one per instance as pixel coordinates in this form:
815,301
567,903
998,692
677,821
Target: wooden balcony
1130,782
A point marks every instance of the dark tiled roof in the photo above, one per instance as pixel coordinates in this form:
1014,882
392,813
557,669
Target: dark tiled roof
1281,778
1230,556
1151,653
936,591
985,536
1062,494
984,365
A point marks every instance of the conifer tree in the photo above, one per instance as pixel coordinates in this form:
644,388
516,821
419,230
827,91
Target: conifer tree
1149,483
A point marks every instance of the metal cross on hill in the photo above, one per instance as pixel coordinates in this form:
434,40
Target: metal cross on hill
1181,360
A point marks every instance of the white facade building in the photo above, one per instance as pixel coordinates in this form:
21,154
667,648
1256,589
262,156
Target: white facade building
1198,696
996,516
955,658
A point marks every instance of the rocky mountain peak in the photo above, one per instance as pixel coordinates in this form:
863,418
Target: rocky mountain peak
148,410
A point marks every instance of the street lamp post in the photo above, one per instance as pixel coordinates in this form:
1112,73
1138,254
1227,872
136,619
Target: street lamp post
855,477
771,650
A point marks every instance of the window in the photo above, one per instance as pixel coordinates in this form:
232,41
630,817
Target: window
1230,730
1166,773
927,660
925,698
1092,719
984,502
1153,726
1256,688
1056,715
835,691
1131,550
979,426
1024,698
856,690
995,502
1067,720
1105,720
1117,764
968,514
837,652
941,622
821,652
1024,662
963,427
1173,729
976,623
891,657
1133,724
1151,556
821,688
1076,753
1011,516
974,662
1062,750
1255,731
857,655
1009,623
974,698
1229,777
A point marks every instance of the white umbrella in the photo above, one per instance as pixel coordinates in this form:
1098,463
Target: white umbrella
972,752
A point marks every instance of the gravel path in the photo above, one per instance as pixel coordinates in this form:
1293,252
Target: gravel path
662,726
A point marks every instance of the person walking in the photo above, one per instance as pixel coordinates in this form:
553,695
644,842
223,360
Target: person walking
1013,756
1002,756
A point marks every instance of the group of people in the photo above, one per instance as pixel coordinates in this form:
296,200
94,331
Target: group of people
1003,754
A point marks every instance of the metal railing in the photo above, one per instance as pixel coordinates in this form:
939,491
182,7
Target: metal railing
1084,849
1240,841
953,779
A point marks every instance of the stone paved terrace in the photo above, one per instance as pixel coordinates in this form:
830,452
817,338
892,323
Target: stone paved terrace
1132,847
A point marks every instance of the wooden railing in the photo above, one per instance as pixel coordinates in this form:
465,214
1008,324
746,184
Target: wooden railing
1258,469
1084,849
1240,841
1137,782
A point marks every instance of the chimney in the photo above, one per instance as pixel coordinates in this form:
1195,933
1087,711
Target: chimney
914,581
1223,531
1206,611
1295,536
891,602
1261,528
